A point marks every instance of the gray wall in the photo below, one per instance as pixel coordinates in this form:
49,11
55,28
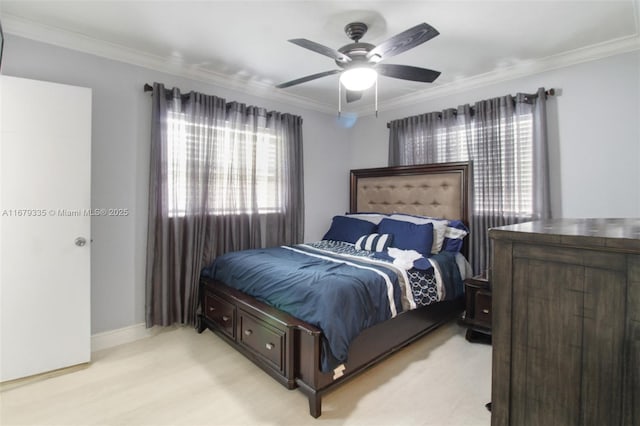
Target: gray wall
594,137
120,165
594,134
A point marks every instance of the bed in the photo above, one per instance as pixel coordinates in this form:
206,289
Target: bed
306,354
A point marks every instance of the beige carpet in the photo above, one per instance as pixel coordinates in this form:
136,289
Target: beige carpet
179,377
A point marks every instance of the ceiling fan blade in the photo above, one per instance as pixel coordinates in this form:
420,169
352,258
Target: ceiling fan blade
402,42
353,95
407,72
319,48
307,78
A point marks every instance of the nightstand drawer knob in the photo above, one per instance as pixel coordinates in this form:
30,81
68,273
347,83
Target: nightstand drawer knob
486,311
211,309
225,318
248,332
269,346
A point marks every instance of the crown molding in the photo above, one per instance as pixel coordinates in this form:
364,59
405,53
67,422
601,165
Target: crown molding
80,42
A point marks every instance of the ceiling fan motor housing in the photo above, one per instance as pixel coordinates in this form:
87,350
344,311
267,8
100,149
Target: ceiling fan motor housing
357,52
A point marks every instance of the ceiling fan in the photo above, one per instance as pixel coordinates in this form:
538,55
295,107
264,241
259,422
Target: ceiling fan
360,62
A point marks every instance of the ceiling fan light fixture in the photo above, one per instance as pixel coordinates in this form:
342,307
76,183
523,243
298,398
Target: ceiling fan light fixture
358,78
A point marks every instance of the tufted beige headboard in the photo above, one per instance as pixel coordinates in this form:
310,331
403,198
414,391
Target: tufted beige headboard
434,190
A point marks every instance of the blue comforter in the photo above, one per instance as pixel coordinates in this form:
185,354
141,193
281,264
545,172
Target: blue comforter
340,296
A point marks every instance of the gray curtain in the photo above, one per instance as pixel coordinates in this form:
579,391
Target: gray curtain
492,134
288,226
209,193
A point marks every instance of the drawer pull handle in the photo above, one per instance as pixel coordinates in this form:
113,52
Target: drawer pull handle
225,318
269,346
211,308
248,332
486,311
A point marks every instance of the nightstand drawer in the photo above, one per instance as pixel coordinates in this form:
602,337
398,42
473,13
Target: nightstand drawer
220,312
482,311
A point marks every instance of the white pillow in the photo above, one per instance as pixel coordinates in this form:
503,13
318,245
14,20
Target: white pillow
439,228
369,217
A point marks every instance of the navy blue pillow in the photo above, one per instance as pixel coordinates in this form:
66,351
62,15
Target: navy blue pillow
409,236
348,229
454,235
453,245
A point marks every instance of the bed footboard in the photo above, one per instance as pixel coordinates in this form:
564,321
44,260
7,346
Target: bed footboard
371,347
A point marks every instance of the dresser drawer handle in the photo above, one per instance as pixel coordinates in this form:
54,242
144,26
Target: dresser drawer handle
270,346
486,311
225,318
211,309
248,332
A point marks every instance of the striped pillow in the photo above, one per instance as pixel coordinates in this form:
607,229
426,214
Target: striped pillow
374,242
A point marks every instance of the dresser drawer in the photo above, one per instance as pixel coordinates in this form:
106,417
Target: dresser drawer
483,308
220,312
262,339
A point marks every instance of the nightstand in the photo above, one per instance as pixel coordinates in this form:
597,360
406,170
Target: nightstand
477,316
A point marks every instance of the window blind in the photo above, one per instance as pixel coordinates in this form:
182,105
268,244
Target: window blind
241,157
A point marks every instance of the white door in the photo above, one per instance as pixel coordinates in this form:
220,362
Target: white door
45,182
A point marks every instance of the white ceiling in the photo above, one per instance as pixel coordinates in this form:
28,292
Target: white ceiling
243,44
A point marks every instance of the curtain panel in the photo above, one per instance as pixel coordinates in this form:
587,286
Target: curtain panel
223,177
505,138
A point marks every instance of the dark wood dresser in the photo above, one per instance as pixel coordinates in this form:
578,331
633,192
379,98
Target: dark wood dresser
566,323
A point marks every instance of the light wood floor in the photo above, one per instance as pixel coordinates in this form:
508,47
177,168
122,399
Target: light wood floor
179,377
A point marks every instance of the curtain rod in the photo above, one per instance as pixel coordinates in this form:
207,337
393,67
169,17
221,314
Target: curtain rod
149,88
550,92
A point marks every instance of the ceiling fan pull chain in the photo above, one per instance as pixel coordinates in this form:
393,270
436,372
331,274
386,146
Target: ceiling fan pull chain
376,101
339,98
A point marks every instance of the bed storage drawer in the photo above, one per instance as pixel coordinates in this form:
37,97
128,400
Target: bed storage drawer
220,312
263,339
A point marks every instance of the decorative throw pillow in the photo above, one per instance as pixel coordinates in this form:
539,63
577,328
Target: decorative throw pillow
347,229
374,242
439,227
409,236
454,236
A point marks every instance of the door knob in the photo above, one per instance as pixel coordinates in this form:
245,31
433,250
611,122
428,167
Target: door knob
80,241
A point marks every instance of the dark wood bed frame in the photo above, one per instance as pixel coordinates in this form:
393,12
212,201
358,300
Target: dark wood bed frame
289,349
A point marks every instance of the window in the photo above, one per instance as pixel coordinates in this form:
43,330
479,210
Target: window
509,186
503,172
242,169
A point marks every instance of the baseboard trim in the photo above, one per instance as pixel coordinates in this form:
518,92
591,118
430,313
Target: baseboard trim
111,338
22,381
